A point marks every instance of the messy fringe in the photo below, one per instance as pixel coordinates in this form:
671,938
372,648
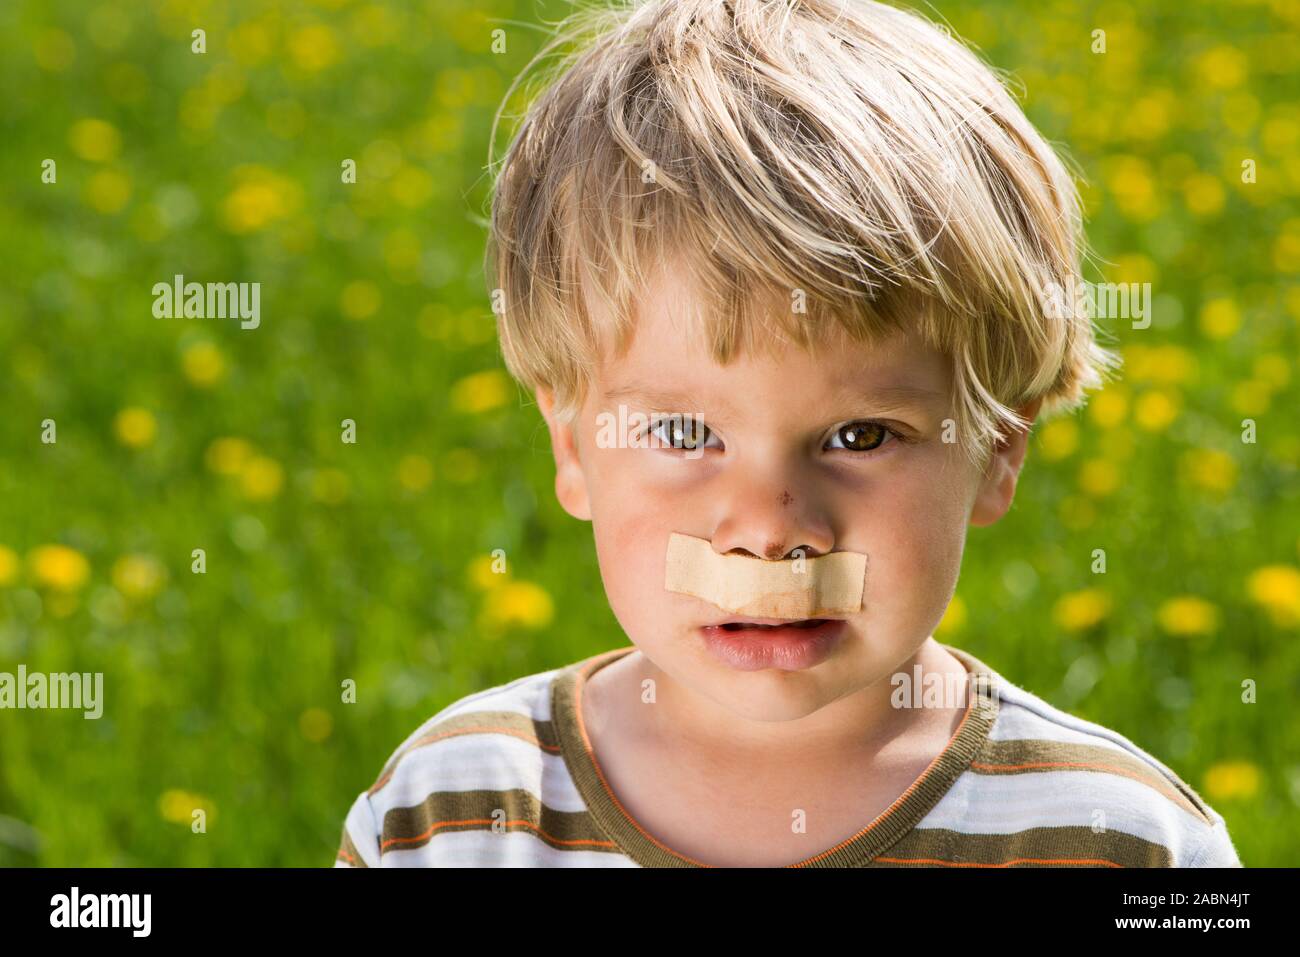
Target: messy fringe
844,150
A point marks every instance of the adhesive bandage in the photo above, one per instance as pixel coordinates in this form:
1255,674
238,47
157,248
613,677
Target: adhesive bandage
796,588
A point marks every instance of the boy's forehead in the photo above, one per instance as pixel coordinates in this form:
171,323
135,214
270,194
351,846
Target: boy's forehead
664,359
668,355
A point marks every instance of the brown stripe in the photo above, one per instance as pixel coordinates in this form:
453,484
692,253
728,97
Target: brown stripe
493,812
348,852
1031,755
1033,847
538,733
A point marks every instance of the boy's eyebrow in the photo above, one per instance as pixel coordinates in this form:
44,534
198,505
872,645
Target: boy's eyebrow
888,397
668,401
884,397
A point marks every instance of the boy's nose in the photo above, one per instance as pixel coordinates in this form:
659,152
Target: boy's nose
772,523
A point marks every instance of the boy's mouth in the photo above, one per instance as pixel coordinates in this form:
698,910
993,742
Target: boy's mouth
788,644
760,624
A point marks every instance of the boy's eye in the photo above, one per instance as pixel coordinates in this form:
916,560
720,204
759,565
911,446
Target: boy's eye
861,436
680,432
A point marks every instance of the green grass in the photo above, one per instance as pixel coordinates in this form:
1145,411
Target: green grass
226,166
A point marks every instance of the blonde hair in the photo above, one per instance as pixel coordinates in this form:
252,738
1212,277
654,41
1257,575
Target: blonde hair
844,148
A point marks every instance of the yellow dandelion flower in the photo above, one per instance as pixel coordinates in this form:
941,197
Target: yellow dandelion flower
54,51
1210,469
251,42
1058,439
330,486
135,427
314,48
481,391
1155,410
1222,67
1133,188
482,574
228,456
108,191
1277,589
1098,477
261,478
203,364
954,617
1273,370
411,186
1286,248
9,566
415,472
1148,118
520,603
360,299
402,254
94,140
1109,407
178,806
1252,397
1133,268
1170,365
1203,194
316,724
259,198
138,576
1231,780
375,26
59,567
1081,610
1187,615
1220,318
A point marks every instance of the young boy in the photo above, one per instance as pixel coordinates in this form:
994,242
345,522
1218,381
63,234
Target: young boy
783,277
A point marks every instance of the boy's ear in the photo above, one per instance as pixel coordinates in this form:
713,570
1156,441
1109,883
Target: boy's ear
570,480
998,485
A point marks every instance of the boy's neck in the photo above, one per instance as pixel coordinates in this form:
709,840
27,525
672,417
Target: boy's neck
860,724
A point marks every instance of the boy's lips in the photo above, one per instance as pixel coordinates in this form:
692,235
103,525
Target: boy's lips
736,624
787,644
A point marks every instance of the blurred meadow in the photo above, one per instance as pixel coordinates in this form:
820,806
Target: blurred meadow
327,561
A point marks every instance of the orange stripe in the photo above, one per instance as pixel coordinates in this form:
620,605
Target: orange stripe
431,737
427,834
346,856
1084,861
1088,766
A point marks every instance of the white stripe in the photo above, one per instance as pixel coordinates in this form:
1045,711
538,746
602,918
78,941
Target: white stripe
360,823
1018,723
1027,707
479,762
1005,804
528,696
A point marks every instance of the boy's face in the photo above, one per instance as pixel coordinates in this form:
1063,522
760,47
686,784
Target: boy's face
795,454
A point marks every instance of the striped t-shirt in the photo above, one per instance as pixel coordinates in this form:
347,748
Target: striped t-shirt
507,778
